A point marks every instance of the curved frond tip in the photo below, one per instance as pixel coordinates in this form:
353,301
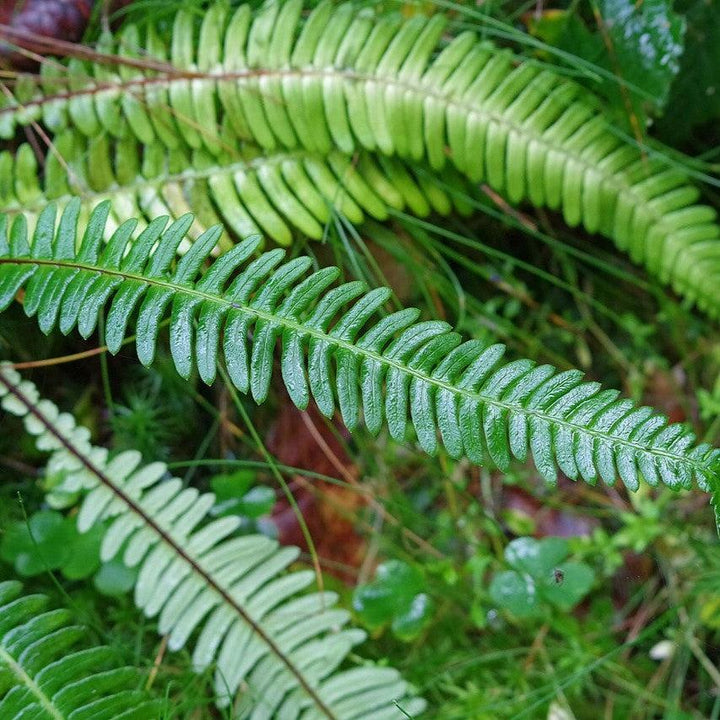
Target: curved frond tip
337,345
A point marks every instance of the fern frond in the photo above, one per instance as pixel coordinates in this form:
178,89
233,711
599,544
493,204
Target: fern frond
345,78
44,676
197,576
337,347
250,192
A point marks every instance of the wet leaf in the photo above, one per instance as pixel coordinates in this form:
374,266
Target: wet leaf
409,624
697,86
516,593
536,557
568,584
394,598
540,577
639,44
645,42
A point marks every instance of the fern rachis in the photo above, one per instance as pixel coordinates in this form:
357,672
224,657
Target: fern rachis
404,369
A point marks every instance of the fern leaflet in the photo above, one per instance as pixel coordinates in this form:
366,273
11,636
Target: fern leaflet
275,193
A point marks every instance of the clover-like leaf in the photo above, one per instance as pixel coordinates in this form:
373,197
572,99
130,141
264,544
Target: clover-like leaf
396,597
536,557
49,541
516,593
568,584
236,495
84,553
540,576
37,545
115,578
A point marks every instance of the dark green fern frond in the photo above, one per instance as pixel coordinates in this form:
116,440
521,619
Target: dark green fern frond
247,616
344,78
337,348
250,192
44,676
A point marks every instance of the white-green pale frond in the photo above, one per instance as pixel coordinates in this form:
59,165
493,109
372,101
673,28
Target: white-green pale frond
228,596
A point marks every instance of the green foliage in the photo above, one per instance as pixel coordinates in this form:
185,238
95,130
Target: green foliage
403,369
45,676
638,47
50,541
294,124
396,598
115,578
255,627
277,193
151,414
697,88
645,43
236,495
344,79
541,576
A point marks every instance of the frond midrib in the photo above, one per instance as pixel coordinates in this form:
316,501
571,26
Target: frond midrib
176,548
301,329
614,180
19,672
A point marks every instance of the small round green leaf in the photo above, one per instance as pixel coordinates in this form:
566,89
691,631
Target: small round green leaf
516,593
568,584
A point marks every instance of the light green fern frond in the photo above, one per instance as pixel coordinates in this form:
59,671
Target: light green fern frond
251,619
344,78
337,347
250,192
45,676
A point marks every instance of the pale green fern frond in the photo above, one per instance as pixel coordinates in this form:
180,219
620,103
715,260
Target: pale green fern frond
344,78
337,347
45,675
250,619
277,193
